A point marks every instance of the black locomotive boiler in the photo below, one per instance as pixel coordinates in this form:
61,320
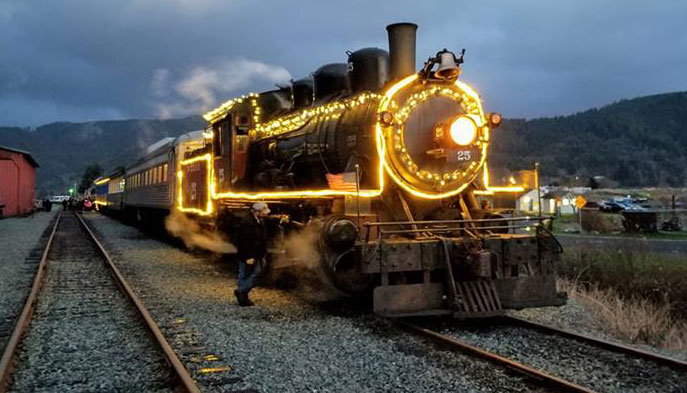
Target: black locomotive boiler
385,162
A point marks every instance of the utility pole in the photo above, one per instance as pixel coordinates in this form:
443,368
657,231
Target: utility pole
536,183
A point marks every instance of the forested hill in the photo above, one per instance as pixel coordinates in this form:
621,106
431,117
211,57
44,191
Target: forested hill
637,142
63,150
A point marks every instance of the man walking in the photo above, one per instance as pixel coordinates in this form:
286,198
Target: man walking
252,250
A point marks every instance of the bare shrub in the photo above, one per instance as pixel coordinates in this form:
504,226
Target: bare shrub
595,220
631,271
638,320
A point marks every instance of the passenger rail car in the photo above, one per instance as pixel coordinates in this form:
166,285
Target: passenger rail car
151,181
108,191
98,191
385,163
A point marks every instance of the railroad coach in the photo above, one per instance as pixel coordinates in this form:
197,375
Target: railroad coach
150,183
109,191
98,191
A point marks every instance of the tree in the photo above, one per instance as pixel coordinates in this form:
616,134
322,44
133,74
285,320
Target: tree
91,173
592,183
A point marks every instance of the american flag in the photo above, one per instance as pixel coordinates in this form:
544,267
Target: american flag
342,181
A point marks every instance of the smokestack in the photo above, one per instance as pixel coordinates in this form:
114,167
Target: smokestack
401,49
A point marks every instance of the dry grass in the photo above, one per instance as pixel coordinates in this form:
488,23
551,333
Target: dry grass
636,319
596,220
631,272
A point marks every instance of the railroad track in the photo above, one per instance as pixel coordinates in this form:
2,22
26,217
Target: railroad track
536,375
82,326
548,379
22,286
676,364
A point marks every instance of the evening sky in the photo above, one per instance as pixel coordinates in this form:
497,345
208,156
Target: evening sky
87,60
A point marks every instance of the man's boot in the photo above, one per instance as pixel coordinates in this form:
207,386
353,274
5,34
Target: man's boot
246,301
239,298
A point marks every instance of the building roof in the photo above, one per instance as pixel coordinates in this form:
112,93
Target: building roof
26,155
116,173
557,193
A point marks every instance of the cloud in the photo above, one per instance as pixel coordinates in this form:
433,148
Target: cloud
160,83
186,6
7,10
200,86
140,58
203,87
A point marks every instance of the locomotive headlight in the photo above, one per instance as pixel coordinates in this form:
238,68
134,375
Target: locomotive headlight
463,130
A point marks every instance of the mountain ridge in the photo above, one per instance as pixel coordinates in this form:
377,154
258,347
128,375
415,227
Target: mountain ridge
635,142
64,149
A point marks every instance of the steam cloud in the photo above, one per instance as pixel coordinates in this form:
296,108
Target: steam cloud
202,88
298,268
190,233
302,265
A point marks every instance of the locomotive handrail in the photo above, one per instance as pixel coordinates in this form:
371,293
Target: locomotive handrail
400,231
550,234
504,219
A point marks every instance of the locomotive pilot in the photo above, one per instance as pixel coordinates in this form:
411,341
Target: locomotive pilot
252,241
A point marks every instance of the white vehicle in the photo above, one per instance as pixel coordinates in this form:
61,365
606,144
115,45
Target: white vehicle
58,198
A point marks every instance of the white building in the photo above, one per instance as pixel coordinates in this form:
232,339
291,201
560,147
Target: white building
553,202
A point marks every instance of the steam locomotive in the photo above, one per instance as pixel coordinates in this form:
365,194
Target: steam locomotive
386,164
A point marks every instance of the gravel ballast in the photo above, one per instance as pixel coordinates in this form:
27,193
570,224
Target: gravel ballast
283,344
582,363
21,243
576,317
85,335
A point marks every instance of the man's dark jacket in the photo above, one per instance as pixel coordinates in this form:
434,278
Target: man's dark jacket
251,239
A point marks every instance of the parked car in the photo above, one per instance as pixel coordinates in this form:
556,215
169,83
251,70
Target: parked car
611,207
619,205
630,206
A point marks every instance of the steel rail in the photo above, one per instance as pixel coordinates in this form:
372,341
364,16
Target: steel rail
7,360
186,381
617,347
543,378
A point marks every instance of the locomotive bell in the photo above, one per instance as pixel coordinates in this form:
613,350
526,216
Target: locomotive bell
448,69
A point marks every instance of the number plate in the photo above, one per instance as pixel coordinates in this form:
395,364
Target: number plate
461,155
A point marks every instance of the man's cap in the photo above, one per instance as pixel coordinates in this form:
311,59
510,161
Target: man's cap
258,206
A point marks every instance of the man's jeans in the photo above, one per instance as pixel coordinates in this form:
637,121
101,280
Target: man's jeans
247,275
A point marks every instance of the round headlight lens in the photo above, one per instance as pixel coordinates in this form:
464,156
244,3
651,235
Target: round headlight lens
463,130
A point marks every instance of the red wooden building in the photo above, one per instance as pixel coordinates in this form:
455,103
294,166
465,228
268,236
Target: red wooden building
17,181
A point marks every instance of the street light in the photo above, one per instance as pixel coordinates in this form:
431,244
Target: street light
71,191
